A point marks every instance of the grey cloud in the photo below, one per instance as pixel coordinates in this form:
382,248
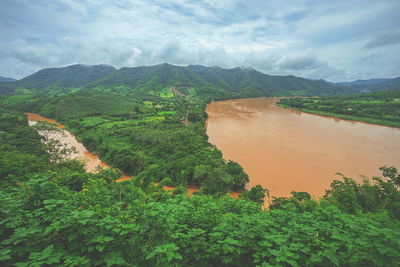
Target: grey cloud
299,62
384,40
374,57
308,65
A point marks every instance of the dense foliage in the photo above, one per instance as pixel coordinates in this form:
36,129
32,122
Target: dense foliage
380,107
55,214
20,151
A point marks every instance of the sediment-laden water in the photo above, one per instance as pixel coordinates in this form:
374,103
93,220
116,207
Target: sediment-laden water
285,150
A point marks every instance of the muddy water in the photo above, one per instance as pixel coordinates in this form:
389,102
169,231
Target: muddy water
285,150
91,160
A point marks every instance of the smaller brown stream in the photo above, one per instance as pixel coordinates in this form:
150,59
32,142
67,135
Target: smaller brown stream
91,160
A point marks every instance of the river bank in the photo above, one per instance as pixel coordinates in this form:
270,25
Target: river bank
345,117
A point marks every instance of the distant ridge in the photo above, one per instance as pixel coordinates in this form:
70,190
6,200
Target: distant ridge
192,80
373,85
198,80
364,82
5,79
65,77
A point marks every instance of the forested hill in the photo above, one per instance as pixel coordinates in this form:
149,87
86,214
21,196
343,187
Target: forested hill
5,79
58,79
364,82
373,85
164,79
197,80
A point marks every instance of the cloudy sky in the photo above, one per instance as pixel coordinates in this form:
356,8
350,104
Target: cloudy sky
337,40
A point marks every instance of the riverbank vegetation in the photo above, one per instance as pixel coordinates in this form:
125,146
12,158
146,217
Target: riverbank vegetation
152,138
379,108
54,213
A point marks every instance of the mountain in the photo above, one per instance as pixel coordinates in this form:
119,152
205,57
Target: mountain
66,77
168,80
58,80
252,82
373,85
5,79
364,82
197,80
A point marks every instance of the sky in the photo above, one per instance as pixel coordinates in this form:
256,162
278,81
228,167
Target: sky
336,40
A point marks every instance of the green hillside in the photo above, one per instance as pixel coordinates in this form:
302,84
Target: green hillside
57,80
380,107
212,82
166,79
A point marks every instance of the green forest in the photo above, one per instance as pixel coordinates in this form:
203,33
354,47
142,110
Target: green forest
54,213
192,80
379,107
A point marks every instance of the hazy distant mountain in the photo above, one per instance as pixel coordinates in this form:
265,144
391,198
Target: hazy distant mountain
364,82
193,80
373,85
5,79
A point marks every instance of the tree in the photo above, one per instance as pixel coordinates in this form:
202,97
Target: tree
216,181
301,196
129,162
256,194
240,178
391,174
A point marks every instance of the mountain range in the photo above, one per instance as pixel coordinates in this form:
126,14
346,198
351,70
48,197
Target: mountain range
373,85
364,82
6,79
193,80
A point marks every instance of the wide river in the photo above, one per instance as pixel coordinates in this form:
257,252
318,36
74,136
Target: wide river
285,150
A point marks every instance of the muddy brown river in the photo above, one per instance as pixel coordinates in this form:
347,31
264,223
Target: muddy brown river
285,150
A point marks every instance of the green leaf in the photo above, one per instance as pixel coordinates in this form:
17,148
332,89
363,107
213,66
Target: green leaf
5,254
100,247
